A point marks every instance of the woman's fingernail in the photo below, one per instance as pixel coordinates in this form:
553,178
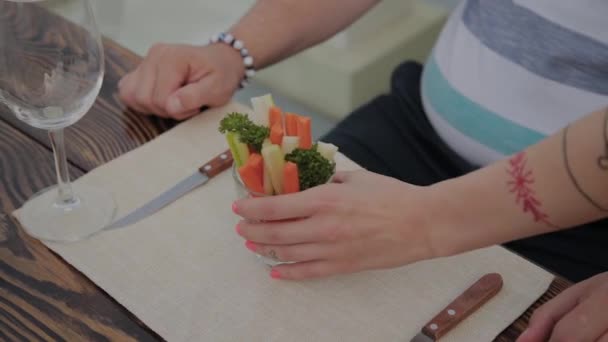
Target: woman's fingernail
175,105
251,246
274,274
235,209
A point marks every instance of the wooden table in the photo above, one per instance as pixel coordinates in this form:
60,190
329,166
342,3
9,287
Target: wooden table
41,296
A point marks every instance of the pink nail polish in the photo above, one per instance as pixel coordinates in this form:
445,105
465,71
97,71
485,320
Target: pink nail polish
274,274
251,246
235,208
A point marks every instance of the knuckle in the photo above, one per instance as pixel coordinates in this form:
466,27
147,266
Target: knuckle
158,102
127,95
286,254
141,98
581,319
123,94
267,212
275,235
222,98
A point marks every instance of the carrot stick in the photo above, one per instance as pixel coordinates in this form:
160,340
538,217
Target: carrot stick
257,162
291,179
276,134
304,132
251,173
275,115
291,124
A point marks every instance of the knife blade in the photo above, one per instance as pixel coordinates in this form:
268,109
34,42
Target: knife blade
460,308
206,172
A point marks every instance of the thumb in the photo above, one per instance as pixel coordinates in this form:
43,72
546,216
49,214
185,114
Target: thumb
189,98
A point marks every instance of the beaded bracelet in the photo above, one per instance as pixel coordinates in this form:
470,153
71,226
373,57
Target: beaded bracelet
229,39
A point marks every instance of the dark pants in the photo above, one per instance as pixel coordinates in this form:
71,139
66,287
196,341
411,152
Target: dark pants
391,135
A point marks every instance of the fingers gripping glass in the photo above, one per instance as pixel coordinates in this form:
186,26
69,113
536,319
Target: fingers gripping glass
51,71
243,192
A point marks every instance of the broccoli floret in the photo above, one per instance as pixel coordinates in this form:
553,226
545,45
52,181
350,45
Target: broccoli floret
234,122
254,136
249,133
313,168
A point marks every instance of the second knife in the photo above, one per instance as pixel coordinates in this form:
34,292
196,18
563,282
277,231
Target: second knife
462,307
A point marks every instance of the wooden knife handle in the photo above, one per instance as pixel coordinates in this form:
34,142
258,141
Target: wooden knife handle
218,164
463,306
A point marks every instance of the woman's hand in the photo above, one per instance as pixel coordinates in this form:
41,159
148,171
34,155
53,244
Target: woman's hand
177,80
363,221
578,314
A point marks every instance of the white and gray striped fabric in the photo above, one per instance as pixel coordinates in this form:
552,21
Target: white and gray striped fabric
504,74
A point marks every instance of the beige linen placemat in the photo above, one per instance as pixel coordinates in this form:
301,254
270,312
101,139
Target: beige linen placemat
186,274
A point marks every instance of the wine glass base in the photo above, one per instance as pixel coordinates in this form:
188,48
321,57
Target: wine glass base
43,218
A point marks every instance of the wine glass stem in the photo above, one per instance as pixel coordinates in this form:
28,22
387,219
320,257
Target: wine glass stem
64,187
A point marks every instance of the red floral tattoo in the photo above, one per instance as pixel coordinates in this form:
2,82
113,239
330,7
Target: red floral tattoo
521,185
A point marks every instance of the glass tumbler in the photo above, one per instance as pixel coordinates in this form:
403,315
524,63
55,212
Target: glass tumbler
243,192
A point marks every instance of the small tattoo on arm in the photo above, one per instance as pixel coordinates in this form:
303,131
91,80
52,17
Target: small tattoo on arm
602,162
520,184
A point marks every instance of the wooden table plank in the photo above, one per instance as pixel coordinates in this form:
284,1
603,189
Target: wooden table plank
41,296
35,284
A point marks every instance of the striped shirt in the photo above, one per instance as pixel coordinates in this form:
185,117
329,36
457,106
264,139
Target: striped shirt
505,74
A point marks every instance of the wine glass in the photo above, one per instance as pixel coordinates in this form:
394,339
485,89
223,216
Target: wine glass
51,71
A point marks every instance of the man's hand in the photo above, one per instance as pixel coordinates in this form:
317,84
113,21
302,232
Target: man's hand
579,314
177,80
363,221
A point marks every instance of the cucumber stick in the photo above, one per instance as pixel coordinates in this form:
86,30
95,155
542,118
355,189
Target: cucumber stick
268,189
327,150
290,143
274,161
240,151
261,107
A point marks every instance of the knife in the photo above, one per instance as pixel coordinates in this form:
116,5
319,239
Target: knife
218,164
462,307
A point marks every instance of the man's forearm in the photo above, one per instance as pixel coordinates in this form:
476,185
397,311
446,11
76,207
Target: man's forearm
276,29
558,183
